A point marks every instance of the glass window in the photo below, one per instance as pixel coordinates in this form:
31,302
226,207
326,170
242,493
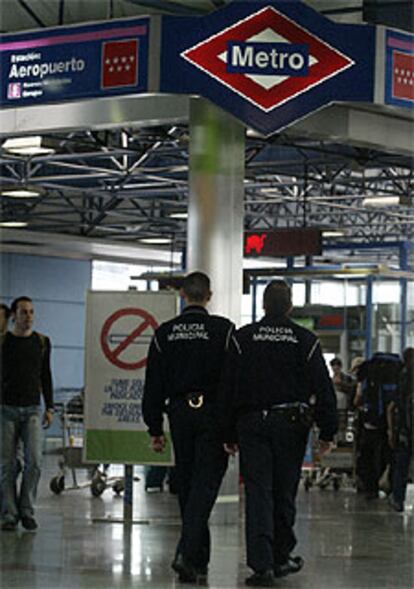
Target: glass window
117,276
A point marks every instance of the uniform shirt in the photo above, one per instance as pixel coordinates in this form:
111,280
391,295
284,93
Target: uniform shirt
186,355
272,362
26,371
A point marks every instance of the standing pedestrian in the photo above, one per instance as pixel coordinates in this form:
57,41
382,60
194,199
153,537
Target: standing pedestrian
344,385
4,326
183,372
4,319
400,415
26,375
275,383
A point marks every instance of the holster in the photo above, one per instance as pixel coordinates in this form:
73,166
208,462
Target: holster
301,414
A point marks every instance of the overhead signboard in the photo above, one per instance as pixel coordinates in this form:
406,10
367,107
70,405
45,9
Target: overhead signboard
119,328
399,69
283,242
268,63
75,62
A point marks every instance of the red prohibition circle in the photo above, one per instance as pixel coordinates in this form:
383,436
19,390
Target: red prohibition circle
113,354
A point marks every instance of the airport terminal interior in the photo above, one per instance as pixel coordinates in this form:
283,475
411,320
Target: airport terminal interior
119,195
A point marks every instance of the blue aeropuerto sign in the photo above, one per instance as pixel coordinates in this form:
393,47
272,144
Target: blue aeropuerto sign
269,63
86,61
399,69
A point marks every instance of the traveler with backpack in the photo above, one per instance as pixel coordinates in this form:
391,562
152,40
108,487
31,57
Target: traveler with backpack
26,374
379,377
400,431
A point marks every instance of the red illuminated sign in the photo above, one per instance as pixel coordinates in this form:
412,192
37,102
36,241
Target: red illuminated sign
283,242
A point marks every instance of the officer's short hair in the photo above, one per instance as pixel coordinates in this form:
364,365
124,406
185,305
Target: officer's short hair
6,310
16,302
196,286
336,362
277,298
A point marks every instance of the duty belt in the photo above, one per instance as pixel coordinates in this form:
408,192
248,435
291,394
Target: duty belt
195,400
300,412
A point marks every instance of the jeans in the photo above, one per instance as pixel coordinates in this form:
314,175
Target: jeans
25,424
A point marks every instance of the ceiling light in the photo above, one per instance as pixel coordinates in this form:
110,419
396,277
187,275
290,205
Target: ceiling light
380,201
13,224
333,233
155,240
21,192
178,215
33,145
270,190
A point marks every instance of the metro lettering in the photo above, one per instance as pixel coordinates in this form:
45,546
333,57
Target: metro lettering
267,58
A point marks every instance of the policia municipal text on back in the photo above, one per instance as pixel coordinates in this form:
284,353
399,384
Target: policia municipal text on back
275,384
183,372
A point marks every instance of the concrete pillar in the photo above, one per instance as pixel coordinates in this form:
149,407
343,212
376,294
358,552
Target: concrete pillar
215,224
215,235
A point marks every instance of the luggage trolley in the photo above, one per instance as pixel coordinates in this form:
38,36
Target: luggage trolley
71,416
338,467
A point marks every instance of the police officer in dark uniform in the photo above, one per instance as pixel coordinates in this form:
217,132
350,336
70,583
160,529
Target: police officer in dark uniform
275,383
183,371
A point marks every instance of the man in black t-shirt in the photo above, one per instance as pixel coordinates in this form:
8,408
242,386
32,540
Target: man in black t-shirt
26,376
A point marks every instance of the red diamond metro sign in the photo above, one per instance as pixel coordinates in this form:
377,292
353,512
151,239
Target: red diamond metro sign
269,63
284,58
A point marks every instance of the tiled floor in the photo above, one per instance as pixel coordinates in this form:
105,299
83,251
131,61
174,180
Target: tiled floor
347,543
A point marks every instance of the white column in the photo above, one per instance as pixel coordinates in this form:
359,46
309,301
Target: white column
215,235
215,224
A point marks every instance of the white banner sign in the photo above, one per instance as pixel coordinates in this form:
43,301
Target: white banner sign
119,328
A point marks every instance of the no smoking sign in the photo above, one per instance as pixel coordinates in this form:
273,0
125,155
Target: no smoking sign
125,337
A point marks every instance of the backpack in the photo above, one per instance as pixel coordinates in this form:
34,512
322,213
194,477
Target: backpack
402,416
380,379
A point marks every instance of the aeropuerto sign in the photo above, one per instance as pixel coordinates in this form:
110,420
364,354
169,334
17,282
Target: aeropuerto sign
65,63
268,63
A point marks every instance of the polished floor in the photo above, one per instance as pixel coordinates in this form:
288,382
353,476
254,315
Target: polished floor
81,542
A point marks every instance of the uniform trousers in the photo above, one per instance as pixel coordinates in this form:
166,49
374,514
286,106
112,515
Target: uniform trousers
200,466
272,449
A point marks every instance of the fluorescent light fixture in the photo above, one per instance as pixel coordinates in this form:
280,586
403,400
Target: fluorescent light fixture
381,201
31,145
178,215
13,224
333,233
270,190
155,240
20,192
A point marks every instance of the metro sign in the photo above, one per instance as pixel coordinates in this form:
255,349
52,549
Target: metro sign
269,63
267,58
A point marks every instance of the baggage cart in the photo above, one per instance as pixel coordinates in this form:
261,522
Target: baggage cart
338,467
71,458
